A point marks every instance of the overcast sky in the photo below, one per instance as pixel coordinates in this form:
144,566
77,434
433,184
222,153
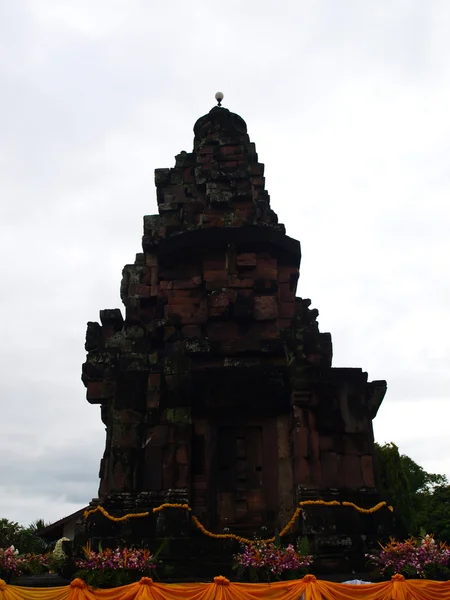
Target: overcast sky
348,102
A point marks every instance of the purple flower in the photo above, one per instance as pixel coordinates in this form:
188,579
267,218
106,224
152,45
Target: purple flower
262,555
411,556
121,558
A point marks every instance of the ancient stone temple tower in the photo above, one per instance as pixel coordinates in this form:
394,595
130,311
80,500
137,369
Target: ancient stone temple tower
216,387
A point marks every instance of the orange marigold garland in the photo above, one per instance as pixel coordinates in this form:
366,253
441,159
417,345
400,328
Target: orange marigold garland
168,505
106,514
233,536
368,511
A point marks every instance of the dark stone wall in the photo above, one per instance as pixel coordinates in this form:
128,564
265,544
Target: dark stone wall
217,389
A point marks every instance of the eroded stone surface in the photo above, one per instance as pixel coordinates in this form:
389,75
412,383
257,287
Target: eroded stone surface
217,388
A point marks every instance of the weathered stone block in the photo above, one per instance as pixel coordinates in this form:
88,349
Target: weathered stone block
185,284
218,331
285,273
154,380
162,176
257,169
182,455
169,467
215,195
189,303
216,285
138,290
300,440
206,161
99,391
152,224
150,276
314,438
180,417
191,332
94,336
266,308
265,330
368,471
284,323
188,175
258,182
266,268
352,471
217,312
221,274
111,318
286,293
237,282
246,259
230,149
209,150
214,262
221,299
286,310
331,469
356,444
180,313
243,306
170,333
182,478
266,286
200,316
153,398
151,259
301,471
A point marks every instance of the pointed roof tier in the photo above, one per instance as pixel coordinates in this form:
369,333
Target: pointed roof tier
220,184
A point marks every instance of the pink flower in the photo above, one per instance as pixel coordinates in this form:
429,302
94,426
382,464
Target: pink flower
411,556
121,558
261,555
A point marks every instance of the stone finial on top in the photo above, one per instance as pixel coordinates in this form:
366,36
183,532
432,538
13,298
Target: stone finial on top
219,98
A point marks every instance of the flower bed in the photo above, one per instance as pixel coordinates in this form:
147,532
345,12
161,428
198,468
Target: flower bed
13,564
422,557
258,561
113,568
263,561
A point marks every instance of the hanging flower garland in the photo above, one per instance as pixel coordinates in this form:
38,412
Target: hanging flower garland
233,536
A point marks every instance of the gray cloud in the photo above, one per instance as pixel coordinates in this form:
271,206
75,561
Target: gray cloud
348,106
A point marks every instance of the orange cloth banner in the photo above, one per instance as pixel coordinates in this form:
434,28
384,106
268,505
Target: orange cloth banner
398,588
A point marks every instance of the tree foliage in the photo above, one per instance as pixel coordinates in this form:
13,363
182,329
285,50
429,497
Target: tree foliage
25,539
421,499
436,512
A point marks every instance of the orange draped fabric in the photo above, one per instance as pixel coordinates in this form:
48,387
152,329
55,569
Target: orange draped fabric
222,589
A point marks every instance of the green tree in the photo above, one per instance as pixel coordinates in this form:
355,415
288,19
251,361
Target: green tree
417,496
435,516
10,533
25,539
394,484
36,525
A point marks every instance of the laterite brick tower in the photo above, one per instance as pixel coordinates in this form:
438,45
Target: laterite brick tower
217,389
